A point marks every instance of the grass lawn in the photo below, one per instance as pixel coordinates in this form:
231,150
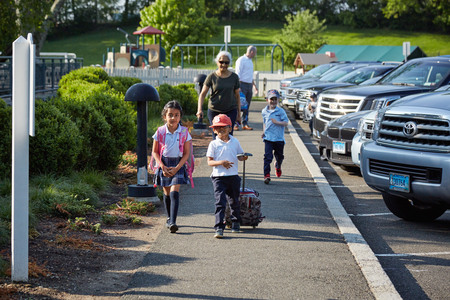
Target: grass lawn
92,46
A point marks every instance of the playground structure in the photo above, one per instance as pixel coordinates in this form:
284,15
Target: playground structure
232,48
146,55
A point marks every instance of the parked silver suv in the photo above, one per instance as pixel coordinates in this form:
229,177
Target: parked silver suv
409,159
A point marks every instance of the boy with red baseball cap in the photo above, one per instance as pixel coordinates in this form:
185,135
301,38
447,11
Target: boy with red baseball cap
222,156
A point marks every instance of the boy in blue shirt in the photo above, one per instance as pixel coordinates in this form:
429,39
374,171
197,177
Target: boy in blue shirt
274,122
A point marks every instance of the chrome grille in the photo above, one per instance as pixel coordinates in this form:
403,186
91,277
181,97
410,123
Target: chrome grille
333,106
367,130
416,173
432,132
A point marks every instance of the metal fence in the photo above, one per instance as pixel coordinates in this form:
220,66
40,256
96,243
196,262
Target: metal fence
49,71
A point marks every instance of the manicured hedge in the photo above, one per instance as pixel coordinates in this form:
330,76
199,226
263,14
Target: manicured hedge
183,93
5,139
107,122
56,144
88,125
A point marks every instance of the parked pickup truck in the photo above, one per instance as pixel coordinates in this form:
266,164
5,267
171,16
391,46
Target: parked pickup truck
413,77
409,159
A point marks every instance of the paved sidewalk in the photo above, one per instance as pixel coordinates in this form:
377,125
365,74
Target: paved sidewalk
297,252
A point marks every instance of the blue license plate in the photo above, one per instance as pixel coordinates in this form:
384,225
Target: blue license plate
399,182
339,147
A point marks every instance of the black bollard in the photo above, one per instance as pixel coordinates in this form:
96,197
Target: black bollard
141,93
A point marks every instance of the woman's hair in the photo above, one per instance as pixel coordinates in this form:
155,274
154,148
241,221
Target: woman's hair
223,53
171,104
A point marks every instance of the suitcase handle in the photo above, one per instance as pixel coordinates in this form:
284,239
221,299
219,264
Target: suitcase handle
243,171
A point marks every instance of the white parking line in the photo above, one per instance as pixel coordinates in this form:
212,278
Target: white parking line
413,254
377,279
347,186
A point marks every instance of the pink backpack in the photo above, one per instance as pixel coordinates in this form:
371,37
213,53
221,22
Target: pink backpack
190,163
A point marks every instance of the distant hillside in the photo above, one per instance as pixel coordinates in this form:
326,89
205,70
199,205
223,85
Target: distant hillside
92,46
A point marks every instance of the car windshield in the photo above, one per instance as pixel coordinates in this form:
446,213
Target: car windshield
360,75
420,73
335,75
317,71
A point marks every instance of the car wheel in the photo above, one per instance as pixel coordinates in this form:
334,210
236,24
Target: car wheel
405,209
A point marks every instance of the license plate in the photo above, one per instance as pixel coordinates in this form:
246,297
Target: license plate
339,147
399,182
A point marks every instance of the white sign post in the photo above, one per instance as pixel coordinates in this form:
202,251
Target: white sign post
406,50
227,36
22,127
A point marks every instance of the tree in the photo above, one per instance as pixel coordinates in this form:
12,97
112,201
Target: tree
422,12
301,34
184,22
8,26
20,17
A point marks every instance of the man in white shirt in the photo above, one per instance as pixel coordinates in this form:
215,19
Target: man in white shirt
244,69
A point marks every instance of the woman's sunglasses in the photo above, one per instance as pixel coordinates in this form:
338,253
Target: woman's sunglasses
224,62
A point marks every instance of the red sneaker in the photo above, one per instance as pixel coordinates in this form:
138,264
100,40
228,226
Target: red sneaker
278,172
267,178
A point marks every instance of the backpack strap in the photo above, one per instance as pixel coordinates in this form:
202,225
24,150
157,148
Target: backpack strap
161,136
161,139
184,133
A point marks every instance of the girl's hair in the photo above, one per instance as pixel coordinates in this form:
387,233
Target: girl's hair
171,104
223,53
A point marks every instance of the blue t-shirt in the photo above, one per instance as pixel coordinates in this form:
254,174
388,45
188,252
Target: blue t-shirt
274,132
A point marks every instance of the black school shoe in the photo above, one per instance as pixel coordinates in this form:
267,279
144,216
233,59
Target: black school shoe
173,228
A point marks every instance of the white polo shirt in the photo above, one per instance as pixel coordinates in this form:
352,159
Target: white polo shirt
172,142
244,69
220,150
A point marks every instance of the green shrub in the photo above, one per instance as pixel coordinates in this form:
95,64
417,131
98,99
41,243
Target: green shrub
185,94
94,131
5,219
109,219
71,196
88,74
122,84
57,143
5,187
104,145
98,181
5,139
4,265
189,99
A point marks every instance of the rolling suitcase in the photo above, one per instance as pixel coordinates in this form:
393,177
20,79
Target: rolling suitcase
250,205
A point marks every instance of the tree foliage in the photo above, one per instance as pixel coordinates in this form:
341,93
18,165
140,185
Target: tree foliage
184,22
301,34
423,12
20,17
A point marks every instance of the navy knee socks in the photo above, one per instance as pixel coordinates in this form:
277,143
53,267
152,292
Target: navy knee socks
166,200
174,202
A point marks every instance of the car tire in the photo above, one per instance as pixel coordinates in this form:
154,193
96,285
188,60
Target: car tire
405,209
351,169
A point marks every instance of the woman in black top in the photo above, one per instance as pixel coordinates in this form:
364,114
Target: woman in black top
224,86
